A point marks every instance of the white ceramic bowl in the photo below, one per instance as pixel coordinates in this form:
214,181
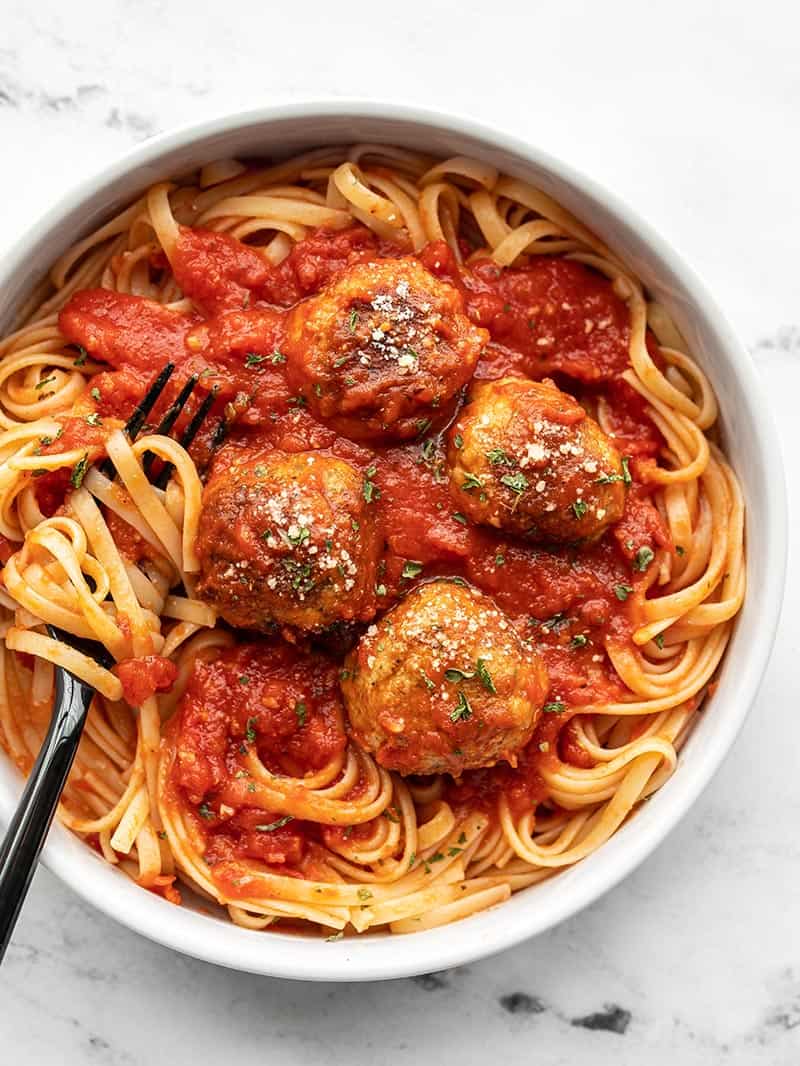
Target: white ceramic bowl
751,444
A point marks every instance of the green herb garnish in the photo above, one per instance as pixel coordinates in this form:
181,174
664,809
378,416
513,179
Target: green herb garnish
412,569
436,857
462,711
470,482
579,508
300,575
370,490
275,825
485,677
456,676
556,707
298,538
79,471
516,482
428,450
643,558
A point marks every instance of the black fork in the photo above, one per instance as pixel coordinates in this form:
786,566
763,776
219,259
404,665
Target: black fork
19,851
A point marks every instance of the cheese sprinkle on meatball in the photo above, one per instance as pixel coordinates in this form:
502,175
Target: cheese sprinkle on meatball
443,683
383,351
287,540
525,457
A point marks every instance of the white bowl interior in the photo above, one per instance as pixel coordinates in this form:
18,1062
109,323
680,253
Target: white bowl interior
751,444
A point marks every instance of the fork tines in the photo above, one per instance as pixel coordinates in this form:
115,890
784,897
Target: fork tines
136,423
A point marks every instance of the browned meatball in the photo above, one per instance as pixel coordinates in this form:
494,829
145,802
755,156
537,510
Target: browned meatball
443,683
526,458
287,539
382,350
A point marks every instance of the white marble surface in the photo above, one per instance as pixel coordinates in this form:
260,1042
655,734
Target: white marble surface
688,109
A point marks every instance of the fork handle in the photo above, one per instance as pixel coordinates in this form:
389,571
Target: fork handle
28,828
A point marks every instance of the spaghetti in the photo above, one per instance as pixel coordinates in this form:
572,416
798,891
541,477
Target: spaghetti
224,762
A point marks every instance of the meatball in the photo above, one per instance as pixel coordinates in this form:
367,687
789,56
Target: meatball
287,539
382,350
443,683
526,458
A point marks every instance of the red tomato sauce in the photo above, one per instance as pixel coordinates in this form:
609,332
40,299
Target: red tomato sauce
131,544
124,330
220,273
633,431
217,272
51,487
524,785
283,704
546,318
317,259
549,316
145,676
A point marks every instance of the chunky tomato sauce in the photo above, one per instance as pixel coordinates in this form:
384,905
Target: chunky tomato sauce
555,316
270,699
548,318
145,676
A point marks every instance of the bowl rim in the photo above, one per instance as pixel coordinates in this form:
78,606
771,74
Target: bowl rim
385,957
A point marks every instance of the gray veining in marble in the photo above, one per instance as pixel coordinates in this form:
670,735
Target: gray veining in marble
689,110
